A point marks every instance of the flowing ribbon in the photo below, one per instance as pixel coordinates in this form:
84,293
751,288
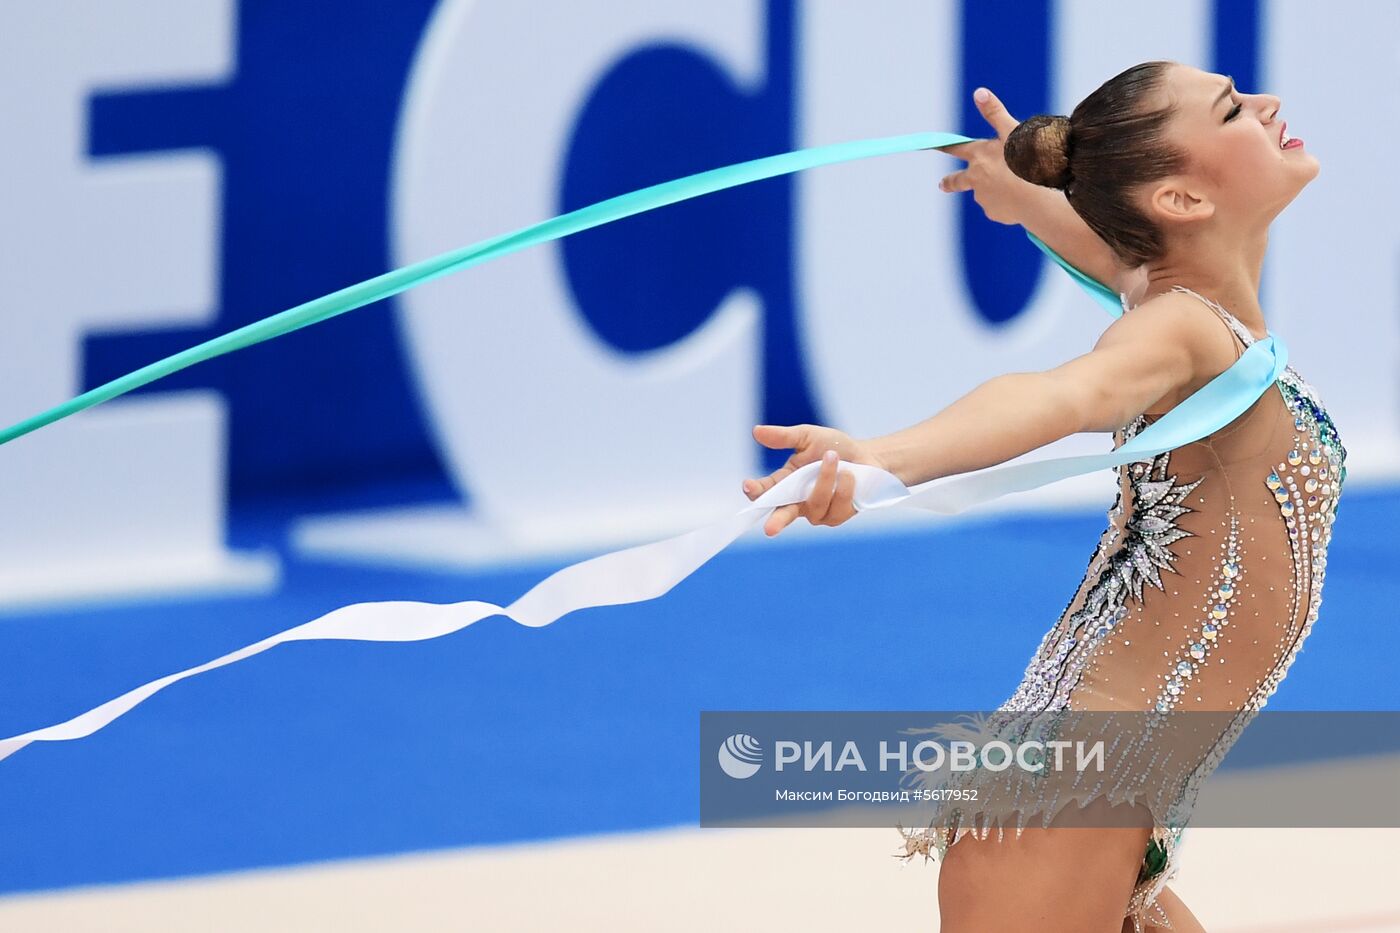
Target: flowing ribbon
392,283
1097,290
648,571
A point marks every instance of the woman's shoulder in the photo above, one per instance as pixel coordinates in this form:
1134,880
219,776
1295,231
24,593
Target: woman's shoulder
1181,318
1172,303
1178,315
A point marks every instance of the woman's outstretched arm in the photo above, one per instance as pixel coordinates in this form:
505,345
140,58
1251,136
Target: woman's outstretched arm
1167,347
1161,349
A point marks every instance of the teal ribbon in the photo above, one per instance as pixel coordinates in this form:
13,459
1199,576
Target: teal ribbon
584,218
399,280
1096,289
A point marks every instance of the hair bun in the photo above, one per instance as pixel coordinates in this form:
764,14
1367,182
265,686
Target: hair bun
1038,150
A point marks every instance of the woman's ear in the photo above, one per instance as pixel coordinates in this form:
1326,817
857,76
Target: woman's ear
1176,201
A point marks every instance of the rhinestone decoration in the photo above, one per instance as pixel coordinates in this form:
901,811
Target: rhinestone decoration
1136,561
1197,649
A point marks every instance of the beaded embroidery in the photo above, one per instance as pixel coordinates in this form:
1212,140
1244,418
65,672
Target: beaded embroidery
1144,552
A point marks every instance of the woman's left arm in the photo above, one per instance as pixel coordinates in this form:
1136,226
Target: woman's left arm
1006,198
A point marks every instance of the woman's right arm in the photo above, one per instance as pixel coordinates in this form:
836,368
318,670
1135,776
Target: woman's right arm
1166,344
1162,347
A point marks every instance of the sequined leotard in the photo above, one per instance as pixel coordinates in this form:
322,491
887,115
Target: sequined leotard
1199,592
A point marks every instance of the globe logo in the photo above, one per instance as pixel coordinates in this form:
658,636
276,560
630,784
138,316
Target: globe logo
741,756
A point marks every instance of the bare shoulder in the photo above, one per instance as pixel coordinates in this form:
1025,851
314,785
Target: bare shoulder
1181,321
1170,314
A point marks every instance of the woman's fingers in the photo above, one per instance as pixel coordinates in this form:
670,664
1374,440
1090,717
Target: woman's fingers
815,505
753,488
831,502
843,506
994,112
776,436
830,499
960,150
779,436
820,498
782,516
957,181
797,436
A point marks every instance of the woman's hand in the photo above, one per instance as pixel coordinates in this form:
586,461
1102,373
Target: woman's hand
830,501
1005,197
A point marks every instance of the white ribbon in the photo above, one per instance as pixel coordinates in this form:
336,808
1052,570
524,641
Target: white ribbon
647,571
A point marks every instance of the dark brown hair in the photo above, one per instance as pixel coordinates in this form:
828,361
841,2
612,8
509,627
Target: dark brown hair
1112,143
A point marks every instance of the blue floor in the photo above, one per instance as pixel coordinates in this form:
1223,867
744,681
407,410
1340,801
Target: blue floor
498,733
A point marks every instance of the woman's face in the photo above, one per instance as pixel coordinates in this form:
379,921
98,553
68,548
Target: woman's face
1232,141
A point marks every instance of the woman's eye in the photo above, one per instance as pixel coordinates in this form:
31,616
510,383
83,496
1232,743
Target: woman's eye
1234,113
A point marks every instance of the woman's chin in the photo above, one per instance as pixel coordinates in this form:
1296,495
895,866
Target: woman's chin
1312,166
1300,181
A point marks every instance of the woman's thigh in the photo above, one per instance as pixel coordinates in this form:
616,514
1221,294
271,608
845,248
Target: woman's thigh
1075,879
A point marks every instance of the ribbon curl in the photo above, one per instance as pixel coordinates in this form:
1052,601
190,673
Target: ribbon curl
647,571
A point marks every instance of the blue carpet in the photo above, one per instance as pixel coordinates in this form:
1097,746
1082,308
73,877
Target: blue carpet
330,750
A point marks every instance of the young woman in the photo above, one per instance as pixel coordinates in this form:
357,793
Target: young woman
1162,184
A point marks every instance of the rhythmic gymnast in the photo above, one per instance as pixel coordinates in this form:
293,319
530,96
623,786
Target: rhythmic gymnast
1161,183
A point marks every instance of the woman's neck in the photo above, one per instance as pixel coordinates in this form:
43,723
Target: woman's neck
1226,272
